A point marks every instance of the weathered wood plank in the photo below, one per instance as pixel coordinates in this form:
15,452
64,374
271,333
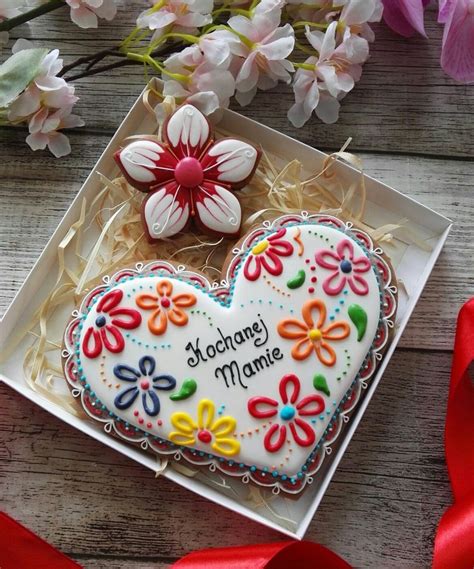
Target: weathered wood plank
380,511
35,198
120,563
404,101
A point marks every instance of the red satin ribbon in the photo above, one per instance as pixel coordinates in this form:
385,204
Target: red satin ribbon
454,544
281,555
22,549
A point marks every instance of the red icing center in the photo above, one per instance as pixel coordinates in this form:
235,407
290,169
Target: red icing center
188,172
165,302
145,384
205,437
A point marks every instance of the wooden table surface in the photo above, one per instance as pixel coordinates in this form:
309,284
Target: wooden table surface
413,127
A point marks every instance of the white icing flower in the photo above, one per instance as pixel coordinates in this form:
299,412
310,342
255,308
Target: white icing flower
189,177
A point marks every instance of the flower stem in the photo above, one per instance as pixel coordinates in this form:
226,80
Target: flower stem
305,23
307,66
11,23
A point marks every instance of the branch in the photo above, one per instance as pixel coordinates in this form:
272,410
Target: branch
124,61
91,60
11,23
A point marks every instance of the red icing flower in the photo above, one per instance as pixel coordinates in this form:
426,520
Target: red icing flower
266,253
290,412
346,269
189,176
105,331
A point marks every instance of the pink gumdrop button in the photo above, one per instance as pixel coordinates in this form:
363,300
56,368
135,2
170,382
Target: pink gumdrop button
188,172
165,302
205,437
145,384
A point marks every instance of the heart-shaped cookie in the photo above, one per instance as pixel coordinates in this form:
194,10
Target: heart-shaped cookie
254,375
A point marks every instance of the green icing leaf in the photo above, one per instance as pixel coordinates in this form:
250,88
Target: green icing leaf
17,73
321,384
359,317
297,281
187,389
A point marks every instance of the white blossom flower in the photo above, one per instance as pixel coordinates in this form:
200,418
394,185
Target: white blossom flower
45,105
46,80
196,77
260,48
44,126
327,78
9,9
85,13
357,13
180,15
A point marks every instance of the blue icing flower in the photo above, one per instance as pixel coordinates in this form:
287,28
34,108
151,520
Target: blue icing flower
145,383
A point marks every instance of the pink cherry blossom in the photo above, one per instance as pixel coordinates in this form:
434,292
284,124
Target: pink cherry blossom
356,15
327,78
207,83
180,15
51,65
457,55
405,17
260,48
85,13
44,126
45,105
9,9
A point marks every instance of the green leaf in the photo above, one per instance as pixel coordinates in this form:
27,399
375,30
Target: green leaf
187,389
320,384
17,73
297,281
359,317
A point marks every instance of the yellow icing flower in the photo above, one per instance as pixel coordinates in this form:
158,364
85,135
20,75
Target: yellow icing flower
205,430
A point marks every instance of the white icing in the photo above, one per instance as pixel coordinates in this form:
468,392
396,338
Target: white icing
188,126
164,215
138,157
221,213
235,159
252,302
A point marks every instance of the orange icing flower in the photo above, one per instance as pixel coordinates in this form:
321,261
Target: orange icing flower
312,335
165,307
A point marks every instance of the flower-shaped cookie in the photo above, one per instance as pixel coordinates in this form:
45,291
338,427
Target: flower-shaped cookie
266,254
290,412
189,176
165,307
218,434
346,269
106,329
312,334
145,382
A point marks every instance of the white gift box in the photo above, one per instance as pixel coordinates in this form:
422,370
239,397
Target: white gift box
412,262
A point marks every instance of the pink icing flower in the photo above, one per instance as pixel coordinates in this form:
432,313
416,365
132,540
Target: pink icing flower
189,177
266,254
290,411
105,331
405,17
457,54
346,269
